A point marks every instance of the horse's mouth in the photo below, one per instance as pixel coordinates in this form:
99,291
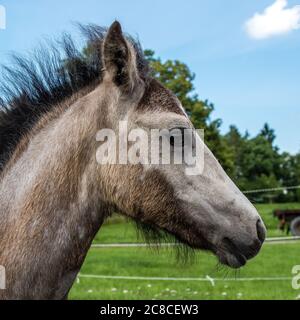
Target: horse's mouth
235,255
234,260
227,252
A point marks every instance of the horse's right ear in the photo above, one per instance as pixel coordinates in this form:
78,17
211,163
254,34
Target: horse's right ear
119,58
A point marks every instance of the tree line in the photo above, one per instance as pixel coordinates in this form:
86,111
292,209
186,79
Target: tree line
252,162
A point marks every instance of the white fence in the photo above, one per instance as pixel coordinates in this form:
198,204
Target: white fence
135,245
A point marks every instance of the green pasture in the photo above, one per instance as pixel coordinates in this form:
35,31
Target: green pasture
273,266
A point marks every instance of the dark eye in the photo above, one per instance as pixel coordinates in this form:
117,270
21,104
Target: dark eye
177,134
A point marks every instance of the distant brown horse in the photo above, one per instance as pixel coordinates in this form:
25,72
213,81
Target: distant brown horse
55,196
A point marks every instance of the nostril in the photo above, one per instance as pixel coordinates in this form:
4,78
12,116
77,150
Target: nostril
261,233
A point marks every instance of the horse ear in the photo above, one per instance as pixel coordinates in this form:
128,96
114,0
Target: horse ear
119,58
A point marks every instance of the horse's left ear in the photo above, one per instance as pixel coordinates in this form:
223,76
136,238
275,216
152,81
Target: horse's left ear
119,58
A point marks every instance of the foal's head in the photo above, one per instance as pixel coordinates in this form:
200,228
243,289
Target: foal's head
205,211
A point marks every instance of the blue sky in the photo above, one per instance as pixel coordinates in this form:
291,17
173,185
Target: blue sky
251,73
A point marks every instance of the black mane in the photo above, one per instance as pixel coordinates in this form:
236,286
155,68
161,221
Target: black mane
32,87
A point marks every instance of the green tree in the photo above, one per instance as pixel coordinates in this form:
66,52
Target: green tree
236,141
258,163
268,133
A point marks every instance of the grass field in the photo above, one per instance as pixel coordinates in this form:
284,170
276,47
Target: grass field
274,261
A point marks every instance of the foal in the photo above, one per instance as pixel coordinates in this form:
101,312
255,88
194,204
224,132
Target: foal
55,196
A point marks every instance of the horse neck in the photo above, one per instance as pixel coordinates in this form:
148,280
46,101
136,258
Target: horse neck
52,205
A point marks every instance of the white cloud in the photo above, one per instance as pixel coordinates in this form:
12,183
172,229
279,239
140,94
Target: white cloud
275,20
